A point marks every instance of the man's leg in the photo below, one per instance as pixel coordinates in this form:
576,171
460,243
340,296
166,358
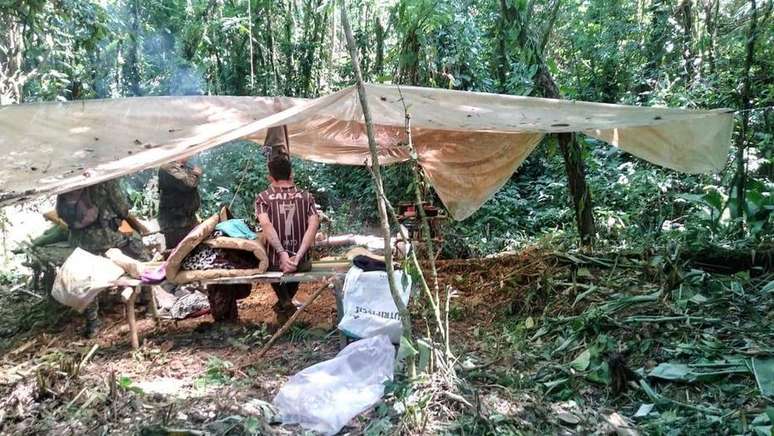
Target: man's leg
220,303
173,236
92,319
223,301
284,307
134,248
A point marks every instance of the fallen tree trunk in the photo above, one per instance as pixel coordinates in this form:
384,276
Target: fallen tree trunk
729,261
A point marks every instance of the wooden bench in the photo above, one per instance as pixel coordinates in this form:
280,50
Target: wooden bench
332,271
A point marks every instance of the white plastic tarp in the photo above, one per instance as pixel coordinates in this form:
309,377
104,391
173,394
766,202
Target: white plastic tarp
468,143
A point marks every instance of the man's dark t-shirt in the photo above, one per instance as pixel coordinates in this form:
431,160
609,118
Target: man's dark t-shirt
179,198
179,201
289,209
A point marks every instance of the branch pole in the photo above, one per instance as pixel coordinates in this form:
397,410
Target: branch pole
741,139
380,197
435,304
415,262
290,322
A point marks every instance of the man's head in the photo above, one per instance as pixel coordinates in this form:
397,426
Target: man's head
279,169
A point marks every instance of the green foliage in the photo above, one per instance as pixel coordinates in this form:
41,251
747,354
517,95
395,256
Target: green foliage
216,374
682,54
660,53
127,384
345,193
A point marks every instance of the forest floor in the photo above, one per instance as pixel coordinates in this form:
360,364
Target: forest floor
547,343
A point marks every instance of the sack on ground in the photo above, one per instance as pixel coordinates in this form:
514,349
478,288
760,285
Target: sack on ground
82,277
326,396
369,309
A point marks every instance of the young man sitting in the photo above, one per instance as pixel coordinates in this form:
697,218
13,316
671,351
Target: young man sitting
289,223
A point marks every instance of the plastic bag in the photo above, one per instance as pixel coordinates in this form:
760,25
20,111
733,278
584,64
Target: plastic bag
369,309
326,396
82,277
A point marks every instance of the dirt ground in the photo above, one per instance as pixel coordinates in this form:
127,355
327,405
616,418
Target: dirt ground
190,373
184,369
544,343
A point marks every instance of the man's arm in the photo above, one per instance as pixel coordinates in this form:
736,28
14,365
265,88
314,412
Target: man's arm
270,233
308,241
137,225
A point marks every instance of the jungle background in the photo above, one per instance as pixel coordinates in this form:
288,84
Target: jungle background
680,271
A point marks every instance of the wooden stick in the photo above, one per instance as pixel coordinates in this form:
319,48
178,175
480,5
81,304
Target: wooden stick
132,321
87,357
338,288
378,183
153,307
289,323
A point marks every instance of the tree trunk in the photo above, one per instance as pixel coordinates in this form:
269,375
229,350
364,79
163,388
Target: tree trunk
268,21
741,139
579,191
502,66
573,164
654,47
250,39
685,17
514,20
289,76
379,61
711,10
12,76
132,68
312,39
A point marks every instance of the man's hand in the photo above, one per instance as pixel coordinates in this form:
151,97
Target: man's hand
137,225
293,262
287,265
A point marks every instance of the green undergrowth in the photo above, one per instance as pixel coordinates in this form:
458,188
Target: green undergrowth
25,313
672,350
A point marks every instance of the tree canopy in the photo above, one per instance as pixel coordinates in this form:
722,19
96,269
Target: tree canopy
692,54
587,263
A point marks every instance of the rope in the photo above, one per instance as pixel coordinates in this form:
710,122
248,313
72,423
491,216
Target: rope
241,181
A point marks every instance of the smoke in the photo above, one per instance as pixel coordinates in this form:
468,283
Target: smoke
169,73
186,80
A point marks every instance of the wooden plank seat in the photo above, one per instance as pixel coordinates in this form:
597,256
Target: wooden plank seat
332,271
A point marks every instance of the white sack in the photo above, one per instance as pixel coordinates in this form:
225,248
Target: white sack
369,309
82,277
326,396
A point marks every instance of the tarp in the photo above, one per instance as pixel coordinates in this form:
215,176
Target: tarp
468,143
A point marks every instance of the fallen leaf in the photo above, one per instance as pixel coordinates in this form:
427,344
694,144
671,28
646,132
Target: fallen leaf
166,346
581,363
644,410
568,418
621,425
